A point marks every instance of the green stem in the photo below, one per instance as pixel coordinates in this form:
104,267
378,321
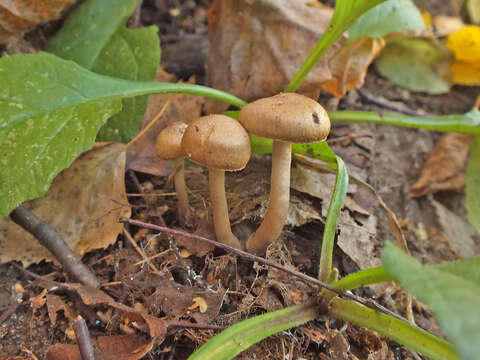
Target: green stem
344,16
328,38
397,330
244,334
468,123
363,278
146,88
336,203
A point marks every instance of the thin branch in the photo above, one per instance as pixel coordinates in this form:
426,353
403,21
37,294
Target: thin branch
83,339
132,241
346,295
53,241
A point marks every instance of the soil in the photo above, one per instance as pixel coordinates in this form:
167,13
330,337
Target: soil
391,159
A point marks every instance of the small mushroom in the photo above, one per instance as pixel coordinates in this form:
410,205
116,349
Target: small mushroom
220,143
169,147
286,118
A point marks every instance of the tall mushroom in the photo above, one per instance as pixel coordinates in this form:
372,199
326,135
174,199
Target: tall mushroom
286,118
220,143
169,147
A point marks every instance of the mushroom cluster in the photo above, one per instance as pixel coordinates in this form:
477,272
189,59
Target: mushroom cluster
222,144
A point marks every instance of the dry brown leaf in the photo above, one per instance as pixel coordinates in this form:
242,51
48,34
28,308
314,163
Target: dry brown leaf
459,234
446,25
54,305
256,47
445,167
83,204
181,107
175,301
19,16
156,327
350,64
115,347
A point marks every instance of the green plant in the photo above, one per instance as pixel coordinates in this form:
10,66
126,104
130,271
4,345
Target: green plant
53,107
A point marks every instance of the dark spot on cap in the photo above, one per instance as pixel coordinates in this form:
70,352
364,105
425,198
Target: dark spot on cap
197,128
316,119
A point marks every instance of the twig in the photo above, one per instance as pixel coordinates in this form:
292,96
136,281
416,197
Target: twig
368,303
135,181
142,254
186,324
83,339
9,310
135,20
387,104
52,240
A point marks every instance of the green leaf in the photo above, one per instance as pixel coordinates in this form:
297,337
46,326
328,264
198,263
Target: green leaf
132,55
391,16
418,64
345,14
51,110
244,334
333,214
107,47
453,294
89,29
472,184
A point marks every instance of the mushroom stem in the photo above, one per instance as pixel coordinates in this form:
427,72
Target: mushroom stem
183,207
221,220
277,210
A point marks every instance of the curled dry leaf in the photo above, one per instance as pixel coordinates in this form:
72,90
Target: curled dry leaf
181,107
19,16
113,347
256,47
349,65
445,167
83,204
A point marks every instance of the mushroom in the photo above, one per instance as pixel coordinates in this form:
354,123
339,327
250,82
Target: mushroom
169,147
220,143
286,118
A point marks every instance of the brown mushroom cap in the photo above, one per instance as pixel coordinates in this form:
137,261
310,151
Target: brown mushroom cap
217,141
287,117
169,141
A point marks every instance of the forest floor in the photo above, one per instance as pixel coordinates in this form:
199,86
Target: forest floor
389,158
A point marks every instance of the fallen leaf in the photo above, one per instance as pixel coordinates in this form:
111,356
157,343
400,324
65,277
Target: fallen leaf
54,305
418,64
446,25
156,327
115,347
391,16
256,47
181,107
445,167
20,16
460,235
350,64
465,44
175,300
91,196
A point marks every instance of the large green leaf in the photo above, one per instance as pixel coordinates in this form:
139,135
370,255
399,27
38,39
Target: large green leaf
472,184
452,292
391,16
51,110
95,37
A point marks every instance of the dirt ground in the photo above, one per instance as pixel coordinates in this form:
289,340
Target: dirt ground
389,158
